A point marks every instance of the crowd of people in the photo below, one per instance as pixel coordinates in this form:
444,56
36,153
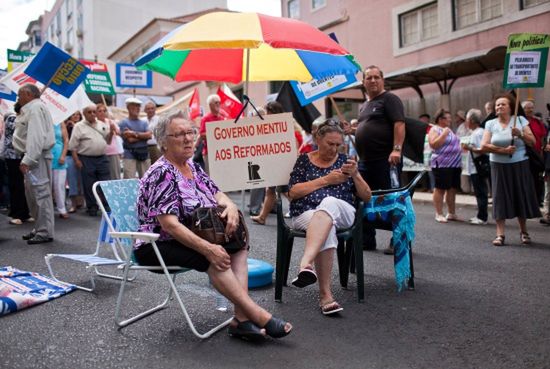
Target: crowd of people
501,155
337,163
55,159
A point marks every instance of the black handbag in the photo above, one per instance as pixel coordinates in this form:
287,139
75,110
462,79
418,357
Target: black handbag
482,164
536,162
207,223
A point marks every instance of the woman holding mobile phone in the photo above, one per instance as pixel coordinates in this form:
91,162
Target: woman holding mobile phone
322,188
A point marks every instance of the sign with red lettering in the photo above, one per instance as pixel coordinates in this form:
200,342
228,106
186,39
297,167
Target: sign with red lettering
252,153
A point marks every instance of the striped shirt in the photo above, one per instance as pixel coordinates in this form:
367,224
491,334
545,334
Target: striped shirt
448,155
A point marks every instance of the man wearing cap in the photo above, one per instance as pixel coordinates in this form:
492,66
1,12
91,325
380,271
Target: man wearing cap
88,141
152,121
135,134
34,137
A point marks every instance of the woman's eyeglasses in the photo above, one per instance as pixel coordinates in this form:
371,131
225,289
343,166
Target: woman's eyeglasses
189,133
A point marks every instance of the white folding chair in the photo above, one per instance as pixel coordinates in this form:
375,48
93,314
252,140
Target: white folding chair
121,197
94,261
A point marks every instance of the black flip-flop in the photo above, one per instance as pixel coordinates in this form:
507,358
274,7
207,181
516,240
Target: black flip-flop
247,331
305,278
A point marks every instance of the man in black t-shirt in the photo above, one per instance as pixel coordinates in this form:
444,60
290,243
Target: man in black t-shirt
379,139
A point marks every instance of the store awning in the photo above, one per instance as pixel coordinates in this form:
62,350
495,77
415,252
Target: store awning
445,72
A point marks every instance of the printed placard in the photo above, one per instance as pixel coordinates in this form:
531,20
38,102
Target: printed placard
57,69
16,58
526,59
127,75
308,92
98,81
252,153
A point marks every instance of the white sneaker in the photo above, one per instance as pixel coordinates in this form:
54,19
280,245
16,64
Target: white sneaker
452,217
440,218
477,221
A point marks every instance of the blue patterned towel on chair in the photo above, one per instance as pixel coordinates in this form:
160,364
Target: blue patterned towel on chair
397,209
20,289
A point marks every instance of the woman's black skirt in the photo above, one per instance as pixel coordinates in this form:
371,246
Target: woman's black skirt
513,191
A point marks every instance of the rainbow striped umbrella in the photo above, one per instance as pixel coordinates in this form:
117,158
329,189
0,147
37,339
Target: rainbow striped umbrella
235,47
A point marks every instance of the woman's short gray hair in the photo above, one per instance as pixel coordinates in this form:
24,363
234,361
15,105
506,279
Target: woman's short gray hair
162,128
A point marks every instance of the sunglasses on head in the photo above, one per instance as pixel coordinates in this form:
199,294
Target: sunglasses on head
329,123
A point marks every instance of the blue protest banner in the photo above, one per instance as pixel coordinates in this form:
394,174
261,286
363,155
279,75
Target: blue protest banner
57,70
310,91
127,75
5,92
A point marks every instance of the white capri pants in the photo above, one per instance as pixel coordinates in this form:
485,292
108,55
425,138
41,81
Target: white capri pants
342,214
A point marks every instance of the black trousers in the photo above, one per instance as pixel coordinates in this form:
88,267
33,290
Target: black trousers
16,184
377,175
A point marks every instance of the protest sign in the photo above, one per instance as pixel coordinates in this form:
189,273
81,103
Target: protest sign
526,59
308,92
253,153
59,106
98,81
5,92
16,58
127,75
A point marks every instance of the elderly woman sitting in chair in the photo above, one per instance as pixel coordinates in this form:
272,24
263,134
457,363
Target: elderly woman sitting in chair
322,187
169,192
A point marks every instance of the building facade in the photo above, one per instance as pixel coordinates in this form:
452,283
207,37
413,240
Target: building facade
434,53
94,29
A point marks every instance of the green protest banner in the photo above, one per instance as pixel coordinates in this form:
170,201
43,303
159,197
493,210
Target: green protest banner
15,58
98,81
526,59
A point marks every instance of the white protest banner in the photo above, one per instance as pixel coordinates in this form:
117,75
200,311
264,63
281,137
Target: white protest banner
59,106
252,153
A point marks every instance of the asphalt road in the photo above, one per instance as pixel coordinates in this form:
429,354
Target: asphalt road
475,306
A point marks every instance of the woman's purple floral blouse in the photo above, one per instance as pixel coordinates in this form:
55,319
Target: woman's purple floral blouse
164,190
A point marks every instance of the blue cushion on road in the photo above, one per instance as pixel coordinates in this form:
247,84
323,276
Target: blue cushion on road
259,273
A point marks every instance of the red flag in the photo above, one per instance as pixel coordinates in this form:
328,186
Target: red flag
195,105
229,104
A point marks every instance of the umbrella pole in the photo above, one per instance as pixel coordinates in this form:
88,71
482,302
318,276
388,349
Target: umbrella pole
243,193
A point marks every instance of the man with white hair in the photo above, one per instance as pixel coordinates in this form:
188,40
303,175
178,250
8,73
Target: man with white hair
213,102
479,180
36,165
135,134
88,141
152,121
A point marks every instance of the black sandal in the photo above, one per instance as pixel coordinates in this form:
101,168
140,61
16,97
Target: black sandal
247,331
275,328
525,238
499,240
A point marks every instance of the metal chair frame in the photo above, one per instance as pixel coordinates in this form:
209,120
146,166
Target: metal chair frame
350,245
93,261
124,233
